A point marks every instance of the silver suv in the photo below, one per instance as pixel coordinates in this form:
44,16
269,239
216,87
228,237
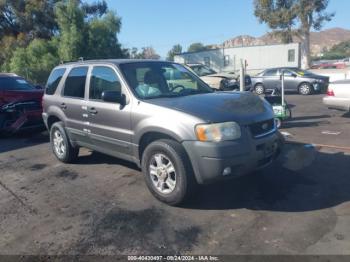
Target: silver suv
162,117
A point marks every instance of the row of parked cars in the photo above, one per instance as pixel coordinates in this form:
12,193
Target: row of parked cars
160,115
296,80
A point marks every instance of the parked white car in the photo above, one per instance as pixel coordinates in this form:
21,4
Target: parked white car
338,95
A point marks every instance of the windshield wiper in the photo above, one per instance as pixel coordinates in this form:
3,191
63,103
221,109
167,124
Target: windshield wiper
167,95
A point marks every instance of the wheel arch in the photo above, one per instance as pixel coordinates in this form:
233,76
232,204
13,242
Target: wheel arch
151,136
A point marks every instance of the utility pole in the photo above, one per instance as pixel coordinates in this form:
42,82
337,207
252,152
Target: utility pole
282,87
241,77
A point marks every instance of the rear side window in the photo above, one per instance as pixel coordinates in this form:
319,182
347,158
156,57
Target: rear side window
53,81
103,79
271,72
75,82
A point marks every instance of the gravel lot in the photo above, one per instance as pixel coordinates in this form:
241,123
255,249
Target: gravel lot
100,205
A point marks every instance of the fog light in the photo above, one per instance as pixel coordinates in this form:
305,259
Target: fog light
227,171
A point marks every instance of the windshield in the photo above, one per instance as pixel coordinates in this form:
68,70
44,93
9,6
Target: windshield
160,79
14,83
202,70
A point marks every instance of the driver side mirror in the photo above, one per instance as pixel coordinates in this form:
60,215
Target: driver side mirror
114,97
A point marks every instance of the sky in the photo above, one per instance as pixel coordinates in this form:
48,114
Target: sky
164,23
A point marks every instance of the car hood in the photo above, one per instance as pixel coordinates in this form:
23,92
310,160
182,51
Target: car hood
20,95
241,107
222,75
314,76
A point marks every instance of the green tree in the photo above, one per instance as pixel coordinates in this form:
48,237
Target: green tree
338,51
196,47
34,18
102,37
294,17
70,19
36,60
175,50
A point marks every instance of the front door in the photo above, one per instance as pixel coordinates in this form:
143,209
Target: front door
73,104
109,123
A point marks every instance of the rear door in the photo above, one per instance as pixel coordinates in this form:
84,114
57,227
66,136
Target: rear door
109,123
271,79
74,105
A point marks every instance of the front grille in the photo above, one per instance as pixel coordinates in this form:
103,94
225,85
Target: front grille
262,128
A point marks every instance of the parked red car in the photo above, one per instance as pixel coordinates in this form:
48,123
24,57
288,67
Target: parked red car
20,104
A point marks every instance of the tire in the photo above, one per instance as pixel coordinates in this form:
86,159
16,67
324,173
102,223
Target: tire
305,89
259,89
60,144
171,185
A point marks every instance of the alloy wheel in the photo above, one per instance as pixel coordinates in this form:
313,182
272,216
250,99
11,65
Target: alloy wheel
162,173
59,144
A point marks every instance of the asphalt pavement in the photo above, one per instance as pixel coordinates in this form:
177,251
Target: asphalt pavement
100,205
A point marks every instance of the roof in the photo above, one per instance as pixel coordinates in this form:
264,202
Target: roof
8,75
112,61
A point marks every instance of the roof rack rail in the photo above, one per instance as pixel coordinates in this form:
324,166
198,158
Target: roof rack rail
8,74
80,59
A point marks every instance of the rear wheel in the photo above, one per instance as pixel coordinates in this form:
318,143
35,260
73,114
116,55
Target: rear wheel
167,171
305,89
259,89
61,145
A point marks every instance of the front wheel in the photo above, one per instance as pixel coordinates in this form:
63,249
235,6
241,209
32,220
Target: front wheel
167,171
305,89
259,89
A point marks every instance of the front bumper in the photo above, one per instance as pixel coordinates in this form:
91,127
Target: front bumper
320,87
12,122
210,159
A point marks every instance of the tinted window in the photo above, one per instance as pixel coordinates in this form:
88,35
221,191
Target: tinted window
14,83
271,72
53,81
103,79
75,82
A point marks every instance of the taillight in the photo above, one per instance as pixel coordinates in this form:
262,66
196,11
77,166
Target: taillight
330,92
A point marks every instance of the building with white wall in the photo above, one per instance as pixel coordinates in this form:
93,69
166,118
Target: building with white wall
258,57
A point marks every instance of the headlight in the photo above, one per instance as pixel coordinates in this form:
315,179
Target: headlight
218,132
319,81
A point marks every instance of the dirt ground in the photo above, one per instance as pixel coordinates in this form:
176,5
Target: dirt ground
100,205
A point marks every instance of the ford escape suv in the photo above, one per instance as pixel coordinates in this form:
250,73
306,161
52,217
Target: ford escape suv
161,116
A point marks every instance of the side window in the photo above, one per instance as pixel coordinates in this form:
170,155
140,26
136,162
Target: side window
291,55
75,82
271,72
288,73
226,60
53,81
103,79
207,61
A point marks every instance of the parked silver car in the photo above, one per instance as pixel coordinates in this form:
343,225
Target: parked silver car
295,80
338,95
162,117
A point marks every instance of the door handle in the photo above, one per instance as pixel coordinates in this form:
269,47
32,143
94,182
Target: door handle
92,110
63,106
